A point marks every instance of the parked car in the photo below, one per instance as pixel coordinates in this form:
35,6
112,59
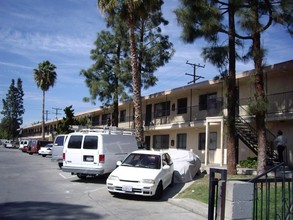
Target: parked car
26,147
23,143
57,150
8,144
186,165
143,172
46,150
95,152
2,141
35,146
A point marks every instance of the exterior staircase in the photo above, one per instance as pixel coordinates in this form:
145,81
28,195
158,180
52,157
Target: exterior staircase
248,135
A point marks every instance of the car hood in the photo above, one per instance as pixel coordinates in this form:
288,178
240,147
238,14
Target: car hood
135,173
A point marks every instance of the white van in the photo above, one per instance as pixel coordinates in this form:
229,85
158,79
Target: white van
57,149
95,152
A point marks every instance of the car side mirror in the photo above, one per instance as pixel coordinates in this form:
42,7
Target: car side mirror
118,163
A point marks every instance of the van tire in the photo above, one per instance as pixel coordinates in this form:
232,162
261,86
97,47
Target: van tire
60,165
81,176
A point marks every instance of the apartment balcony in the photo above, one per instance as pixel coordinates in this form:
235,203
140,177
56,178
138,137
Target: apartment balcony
183,117
280,107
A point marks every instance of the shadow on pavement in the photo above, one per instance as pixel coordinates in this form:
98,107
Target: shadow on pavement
44,210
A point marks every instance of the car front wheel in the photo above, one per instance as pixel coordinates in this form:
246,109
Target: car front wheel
159,191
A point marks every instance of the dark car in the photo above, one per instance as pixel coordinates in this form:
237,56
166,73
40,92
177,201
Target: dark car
35,145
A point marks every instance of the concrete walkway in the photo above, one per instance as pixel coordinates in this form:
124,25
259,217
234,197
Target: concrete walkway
197,207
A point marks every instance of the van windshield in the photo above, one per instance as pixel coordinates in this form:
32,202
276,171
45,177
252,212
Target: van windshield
59,140
143,160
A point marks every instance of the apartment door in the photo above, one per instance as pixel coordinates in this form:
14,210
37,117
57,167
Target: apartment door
148,115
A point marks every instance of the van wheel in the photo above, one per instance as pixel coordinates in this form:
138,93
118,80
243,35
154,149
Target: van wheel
81,176
44,155
60,165
159,191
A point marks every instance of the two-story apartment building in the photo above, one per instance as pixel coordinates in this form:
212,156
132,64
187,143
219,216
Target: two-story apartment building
186,117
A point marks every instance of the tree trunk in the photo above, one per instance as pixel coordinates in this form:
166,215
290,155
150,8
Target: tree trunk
259,95
231,145
136,80
43,117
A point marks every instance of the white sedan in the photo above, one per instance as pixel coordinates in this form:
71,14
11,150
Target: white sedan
46,150
143,172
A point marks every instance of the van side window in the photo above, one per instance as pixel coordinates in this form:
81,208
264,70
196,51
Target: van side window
75,142
90,142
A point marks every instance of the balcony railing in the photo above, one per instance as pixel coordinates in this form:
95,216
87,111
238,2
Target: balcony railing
279,105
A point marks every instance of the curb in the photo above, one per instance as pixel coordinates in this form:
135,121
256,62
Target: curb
191,205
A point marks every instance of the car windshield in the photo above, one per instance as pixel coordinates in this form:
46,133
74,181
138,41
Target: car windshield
143,160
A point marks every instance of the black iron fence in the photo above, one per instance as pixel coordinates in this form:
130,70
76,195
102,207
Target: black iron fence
273,194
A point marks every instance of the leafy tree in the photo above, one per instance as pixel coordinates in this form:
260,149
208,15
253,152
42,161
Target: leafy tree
214,21
135,13
109,77
12,110
205,19
256,18
45,77
63,127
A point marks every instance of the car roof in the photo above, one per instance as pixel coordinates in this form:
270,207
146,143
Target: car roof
153,152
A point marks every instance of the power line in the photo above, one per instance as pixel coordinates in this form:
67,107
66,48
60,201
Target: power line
195,77
56,112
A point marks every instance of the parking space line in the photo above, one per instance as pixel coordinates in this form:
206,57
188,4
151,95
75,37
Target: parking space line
64,177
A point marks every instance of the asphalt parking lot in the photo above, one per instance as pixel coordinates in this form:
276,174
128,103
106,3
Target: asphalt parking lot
33,187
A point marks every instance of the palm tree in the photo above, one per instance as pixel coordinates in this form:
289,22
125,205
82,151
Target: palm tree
131,10
45,77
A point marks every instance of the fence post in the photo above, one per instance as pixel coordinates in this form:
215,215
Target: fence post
213,194
239,200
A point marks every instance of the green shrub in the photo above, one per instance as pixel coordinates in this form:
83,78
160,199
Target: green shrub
251,162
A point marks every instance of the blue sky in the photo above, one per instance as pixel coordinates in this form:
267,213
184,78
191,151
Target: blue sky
64,31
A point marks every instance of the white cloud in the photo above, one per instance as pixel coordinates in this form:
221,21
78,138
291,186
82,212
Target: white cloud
36,41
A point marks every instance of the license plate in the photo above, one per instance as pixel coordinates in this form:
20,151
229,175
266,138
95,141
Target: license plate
127,188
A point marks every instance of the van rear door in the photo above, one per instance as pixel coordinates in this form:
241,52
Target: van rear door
73,152
90,156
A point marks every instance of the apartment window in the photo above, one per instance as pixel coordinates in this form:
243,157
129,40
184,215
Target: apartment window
96,120
162,109
122,115
208,101
161,141
182,106
181,141
212,145
105,119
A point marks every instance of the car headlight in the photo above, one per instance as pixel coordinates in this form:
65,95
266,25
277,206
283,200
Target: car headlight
150,181
115,178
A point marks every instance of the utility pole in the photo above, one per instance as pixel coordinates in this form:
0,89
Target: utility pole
47,112
57,109
195,77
